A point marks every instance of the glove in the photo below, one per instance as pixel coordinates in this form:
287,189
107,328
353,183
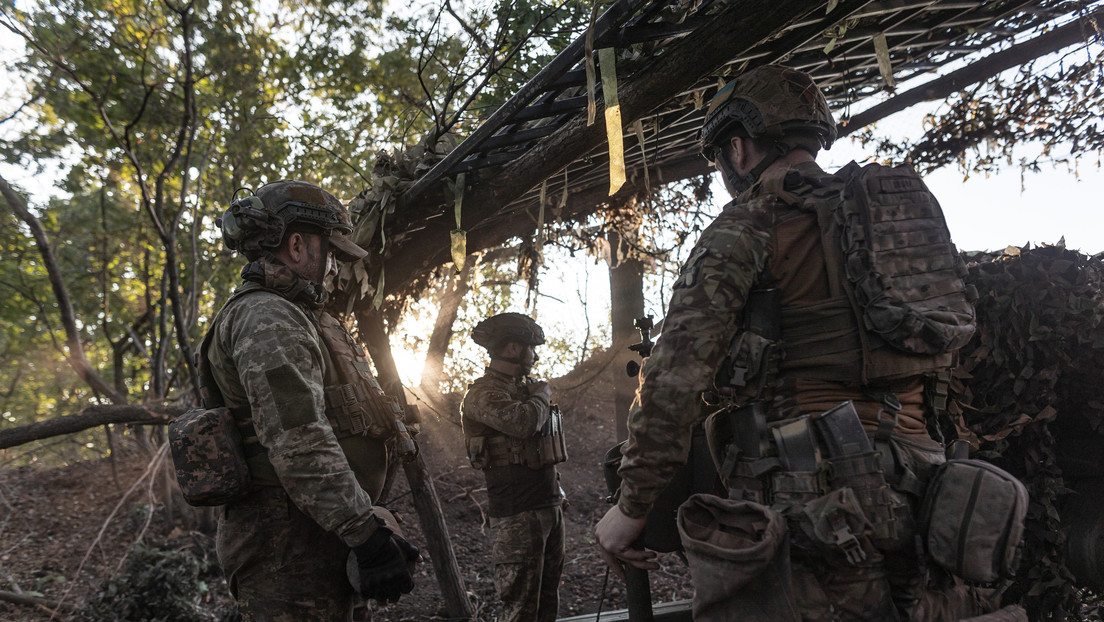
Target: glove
385,566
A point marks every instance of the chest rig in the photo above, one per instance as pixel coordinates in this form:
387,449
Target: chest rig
490,449
355,402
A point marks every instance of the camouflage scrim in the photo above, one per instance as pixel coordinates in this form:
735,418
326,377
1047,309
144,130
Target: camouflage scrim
701,320
208,456
267,355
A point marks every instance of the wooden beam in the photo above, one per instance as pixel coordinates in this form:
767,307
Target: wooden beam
422,490
735,31
565,60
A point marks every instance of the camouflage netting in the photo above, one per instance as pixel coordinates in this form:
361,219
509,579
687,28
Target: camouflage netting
1029,396
374,207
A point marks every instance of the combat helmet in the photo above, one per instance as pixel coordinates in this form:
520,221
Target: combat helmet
498,329
257,223
771,102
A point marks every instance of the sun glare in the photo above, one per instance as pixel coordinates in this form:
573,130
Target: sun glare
409,365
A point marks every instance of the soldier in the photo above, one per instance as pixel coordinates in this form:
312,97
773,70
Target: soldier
759,314
317,427
514,434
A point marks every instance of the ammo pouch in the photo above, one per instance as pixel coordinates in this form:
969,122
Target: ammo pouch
972,520
788,464
864,475
551,448
209,456
738,552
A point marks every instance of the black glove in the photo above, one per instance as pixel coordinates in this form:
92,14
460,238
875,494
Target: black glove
385,566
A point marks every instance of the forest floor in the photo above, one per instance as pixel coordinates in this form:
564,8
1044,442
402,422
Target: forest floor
65,530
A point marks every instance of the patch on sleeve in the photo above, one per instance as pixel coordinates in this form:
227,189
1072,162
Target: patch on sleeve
291,395
688,277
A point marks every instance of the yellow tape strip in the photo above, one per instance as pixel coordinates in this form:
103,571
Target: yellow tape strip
377,300
588,51
607,63
638,127
459,237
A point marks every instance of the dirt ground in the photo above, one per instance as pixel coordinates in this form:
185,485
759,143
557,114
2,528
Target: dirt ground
64,530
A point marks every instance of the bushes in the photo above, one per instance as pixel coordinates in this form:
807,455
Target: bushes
154,586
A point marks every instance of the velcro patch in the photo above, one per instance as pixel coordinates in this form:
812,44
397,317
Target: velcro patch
293,398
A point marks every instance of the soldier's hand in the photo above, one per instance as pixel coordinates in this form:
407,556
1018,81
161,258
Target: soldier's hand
540,387
386,564
615,534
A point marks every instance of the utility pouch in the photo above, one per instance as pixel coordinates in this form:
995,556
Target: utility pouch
742,453
738,553
209,456
972,520
476,451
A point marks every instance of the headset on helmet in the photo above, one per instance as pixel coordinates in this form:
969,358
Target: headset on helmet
498,329
770,102
254,224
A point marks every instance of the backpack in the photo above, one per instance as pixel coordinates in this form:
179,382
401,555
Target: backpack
886,242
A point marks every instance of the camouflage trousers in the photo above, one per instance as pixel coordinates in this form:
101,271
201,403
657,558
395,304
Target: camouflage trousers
528,554
280,565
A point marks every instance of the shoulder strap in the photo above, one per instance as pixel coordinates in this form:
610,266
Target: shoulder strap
208,389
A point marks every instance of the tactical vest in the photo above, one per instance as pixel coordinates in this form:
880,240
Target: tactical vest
896,305
365,421
893,272
488,448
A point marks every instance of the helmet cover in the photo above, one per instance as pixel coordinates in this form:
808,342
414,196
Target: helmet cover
255,223
498,329
772,102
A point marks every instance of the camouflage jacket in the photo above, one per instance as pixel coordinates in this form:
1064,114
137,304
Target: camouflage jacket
757,234
267,354
498,404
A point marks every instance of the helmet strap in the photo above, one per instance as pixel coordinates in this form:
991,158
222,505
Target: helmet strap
743,182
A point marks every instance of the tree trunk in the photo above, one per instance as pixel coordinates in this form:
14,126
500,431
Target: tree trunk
452,294
626,304
430,516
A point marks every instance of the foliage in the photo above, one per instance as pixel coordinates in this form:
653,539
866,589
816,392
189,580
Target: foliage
1028,395
154,586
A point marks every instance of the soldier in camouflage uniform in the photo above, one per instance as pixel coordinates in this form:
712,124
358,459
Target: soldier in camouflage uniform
763,132
284,547
512,432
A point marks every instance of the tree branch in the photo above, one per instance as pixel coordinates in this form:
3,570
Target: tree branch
76,356
90,417
940,88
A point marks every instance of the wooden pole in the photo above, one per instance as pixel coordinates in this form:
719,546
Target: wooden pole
426,502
